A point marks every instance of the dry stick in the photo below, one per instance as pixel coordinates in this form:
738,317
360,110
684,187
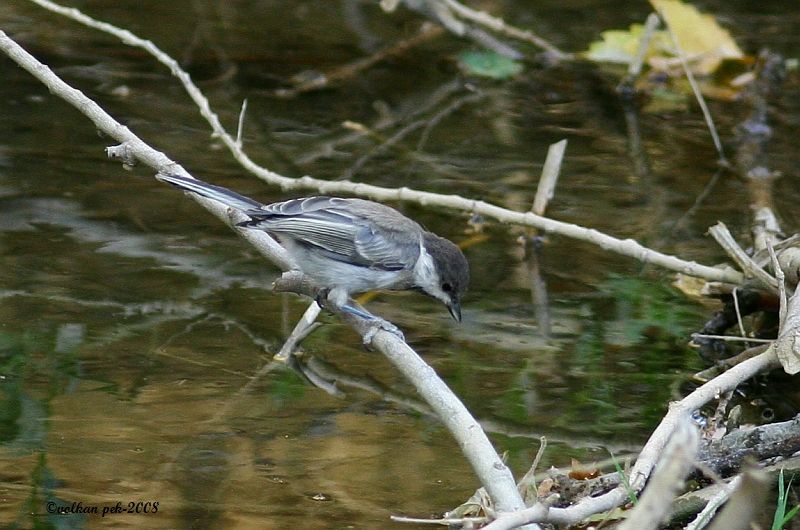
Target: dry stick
544,192
527,484
704,517
240,128
650,26
745,502
781,277
488,466
627,247
739,320
549,178
731,338
678,411
667,481
301,330
626,86
697,94
456,522
725,239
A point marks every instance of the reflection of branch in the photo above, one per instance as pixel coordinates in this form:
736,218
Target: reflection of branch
386,119
494,426
488,466
426,124
628,247
712,129
427,32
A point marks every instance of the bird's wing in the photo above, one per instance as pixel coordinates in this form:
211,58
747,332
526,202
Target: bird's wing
330,224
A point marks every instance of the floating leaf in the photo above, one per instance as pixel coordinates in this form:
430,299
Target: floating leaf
703,42
488,64
620,46
699,37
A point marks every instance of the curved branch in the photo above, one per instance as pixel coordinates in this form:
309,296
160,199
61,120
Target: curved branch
488,466
626,247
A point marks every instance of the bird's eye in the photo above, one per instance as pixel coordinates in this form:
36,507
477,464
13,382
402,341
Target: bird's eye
446,287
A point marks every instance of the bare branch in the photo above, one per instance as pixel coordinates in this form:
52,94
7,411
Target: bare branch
497,24
745,502
490,469
725,239
667,481
627,247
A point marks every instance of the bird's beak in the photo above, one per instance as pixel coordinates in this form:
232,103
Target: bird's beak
455,309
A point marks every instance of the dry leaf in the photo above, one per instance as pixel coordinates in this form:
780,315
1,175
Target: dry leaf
704,42
582,472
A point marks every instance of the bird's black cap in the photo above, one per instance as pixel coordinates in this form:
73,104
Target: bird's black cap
452,267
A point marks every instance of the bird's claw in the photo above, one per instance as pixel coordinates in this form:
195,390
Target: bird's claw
378,324
339,299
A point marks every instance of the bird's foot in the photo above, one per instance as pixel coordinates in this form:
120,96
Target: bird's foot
379,324
339,299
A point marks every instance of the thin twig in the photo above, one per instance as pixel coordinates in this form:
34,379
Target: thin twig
301,330
697,94
776,266
426,32
528,481
732,338
240,128
650,26
626,87
738,311
549,178
704,517
461,522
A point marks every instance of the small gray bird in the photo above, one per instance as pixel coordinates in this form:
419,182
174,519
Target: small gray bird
350,246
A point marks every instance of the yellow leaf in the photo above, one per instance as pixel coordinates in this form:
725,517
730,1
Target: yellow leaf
699,37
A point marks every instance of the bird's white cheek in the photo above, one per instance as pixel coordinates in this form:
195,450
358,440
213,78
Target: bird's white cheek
425,275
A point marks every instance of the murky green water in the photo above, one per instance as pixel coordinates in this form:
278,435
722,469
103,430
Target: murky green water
131,319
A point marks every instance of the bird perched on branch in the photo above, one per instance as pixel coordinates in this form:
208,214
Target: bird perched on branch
349,246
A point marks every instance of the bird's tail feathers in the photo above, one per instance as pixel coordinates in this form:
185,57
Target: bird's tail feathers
217,193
